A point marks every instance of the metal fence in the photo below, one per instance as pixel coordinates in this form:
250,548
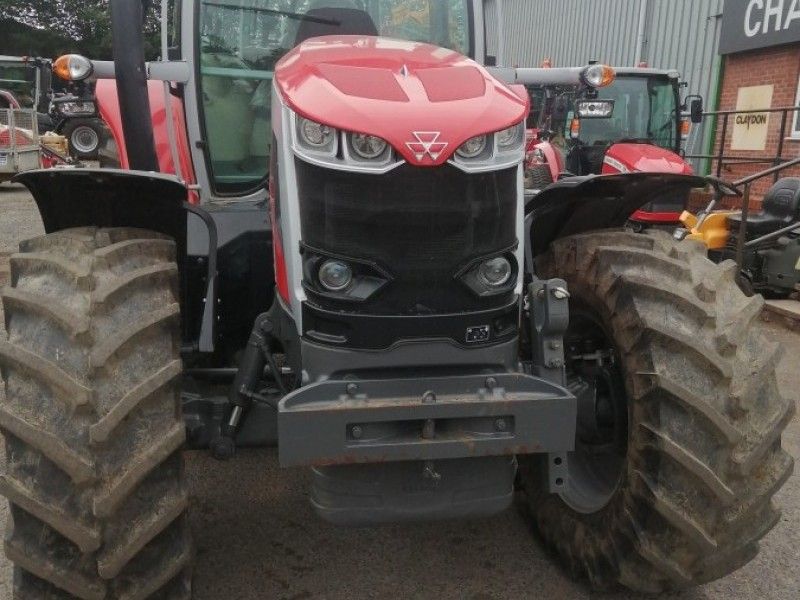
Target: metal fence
19,142
18,130
721,156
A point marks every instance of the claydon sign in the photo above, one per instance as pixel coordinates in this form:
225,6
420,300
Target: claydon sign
750,129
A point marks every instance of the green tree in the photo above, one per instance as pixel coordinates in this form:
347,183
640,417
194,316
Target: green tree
86,24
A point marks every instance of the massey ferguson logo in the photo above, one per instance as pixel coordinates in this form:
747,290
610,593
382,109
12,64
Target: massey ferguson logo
427,143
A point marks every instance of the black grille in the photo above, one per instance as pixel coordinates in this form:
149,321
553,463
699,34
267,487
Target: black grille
422,225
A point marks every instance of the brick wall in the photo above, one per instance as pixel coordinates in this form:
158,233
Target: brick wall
779,67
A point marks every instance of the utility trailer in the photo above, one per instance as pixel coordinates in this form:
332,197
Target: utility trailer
19,142
329,226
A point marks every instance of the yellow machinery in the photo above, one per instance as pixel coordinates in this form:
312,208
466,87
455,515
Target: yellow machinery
713,229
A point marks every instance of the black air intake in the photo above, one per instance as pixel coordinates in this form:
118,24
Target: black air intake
422,225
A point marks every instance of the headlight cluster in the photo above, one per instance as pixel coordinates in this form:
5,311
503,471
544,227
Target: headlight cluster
326,146
492,151
76,108
329,147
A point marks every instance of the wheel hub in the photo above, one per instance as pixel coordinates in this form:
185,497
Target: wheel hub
84,139
594,377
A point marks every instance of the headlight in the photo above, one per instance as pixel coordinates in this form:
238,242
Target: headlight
76,108
473,147
316,135
511,139
495,271
72,67
594,109
493,151
507,136
326,146
368,147
598,75
335,275
490,276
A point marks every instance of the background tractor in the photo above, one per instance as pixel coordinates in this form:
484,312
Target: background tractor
627,120
320,240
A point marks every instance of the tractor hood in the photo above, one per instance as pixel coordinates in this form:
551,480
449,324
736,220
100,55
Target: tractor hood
404,92
643,158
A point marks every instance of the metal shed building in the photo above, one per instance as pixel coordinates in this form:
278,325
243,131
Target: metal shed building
667,34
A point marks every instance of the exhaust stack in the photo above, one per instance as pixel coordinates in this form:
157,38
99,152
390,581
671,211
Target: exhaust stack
127,20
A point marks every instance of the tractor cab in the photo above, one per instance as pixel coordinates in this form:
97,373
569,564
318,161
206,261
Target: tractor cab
25,79
636,108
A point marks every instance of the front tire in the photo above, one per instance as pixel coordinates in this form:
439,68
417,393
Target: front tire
90,411
701,453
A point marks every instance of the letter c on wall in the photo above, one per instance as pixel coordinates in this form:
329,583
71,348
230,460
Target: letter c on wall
751,29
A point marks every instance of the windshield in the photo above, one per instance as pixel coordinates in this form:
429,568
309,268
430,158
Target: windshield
645,108
241,40
20,80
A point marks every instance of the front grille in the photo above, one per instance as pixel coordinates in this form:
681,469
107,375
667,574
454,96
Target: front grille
422,225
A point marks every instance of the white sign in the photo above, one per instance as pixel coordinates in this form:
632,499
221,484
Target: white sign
750,129
3,159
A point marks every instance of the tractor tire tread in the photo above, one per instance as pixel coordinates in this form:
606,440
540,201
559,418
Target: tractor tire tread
90,410
704,455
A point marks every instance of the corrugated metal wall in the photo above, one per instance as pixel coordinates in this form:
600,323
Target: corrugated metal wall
677,34
571,32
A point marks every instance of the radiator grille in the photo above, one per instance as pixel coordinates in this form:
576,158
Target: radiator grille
420,224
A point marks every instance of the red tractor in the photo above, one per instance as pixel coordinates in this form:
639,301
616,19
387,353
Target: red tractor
627,120
332,227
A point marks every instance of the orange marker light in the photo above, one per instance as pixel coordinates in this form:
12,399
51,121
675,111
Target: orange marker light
575,129
686,128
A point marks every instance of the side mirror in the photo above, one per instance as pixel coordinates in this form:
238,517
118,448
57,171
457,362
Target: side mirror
696,110
560,108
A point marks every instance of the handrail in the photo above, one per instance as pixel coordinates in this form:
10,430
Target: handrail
766,172
714,113
723,159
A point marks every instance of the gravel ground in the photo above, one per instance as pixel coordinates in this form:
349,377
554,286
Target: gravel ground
257,537
18,217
